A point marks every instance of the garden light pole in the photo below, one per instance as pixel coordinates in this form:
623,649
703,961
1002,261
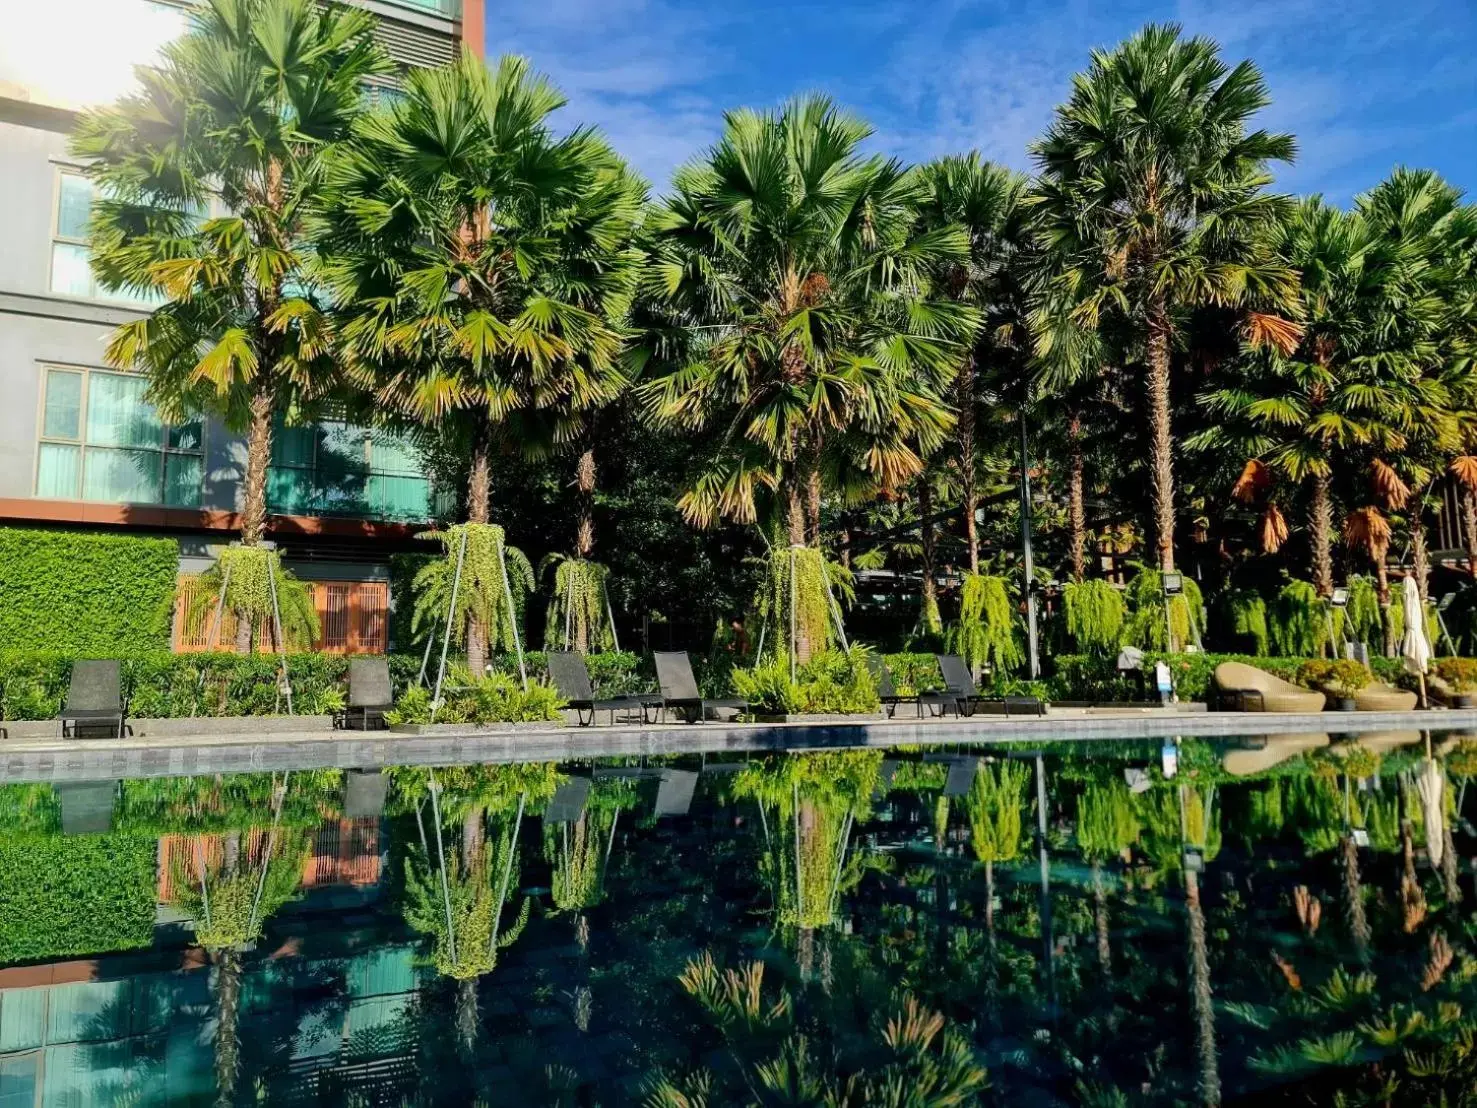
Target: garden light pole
1032,649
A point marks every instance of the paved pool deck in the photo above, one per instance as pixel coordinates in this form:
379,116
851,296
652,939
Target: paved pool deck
183,755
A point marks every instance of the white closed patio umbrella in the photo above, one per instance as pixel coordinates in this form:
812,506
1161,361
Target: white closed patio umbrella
1430,784
1415,648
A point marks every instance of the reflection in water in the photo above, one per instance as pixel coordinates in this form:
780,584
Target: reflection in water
1282,919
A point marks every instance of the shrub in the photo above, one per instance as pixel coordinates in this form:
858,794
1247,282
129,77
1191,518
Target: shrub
1084,677
1340,678
1459,673
75,895
91,596
831,683
496,698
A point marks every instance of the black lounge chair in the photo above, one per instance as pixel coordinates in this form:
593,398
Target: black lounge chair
371,694
959,688
94,698
888,694
680,692
571,678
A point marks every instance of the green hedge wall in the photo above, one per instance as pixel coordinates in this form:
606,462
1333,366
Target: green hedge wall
75,895
91,596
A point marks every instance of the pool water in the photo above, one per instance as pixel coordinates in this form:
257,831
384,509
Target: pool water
1114,923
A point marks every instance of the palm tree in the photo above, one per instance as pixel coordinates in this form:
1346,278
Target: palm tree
211,177
458,878
229,887
1426,349
1293,415
986,201
482,263
792,265
1107,825
1150,202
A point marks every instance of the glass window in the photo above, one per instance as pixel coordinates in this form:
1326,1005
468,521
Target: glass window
63,404
102,440
336,468
71,260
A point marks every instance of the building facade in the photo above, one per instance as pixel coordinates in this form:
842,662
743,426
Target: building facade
80,447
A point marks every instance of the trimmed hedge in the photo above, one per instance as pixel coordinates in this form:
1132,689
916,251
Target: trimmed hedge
76,895
87,595
1088,677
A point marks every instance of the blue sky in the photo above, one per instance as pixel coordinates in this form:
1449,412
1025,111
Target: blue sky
1364,84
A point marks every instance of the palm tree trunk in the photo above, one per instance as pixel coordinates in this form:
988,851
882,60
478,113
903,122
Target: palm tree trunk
1450,868
254,493
466,1015
258,458
1076,514
227,1026
1320,530
584,479
1382,590
964,406
1354,899
1469,528
795,515
1161,457
1420,553
813,508
1210,1081
1100,919
928,615
479,510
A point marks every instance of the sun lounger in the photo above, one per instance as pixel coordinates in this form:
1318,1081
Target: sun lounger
680,692
571,677
95,697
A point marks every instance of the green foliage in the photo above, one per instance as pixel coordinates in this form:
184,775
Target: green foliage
1339,678
1107,819
995,805
249,573
1365,616
1298,621
1146,624
1459,673
986,634
76,895
813,617
1080,677
231,898
496,698
916,1060
482,594
177,686
403,570
227,803
578,617
1176,817
471,880
1095,614
831,683
93,596
1246,612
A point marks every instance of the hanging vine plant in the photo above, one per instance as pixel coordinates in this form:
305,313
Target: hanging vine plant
481,594
1298,625
246,572
986,631
813,618
1095,615
579,609
1145,597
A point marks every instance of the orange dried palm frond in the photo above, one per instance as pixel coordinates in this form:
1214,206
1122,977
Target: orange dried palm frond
1464,469
1255,479
1274,529
1367,529
1262,330
1392,490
